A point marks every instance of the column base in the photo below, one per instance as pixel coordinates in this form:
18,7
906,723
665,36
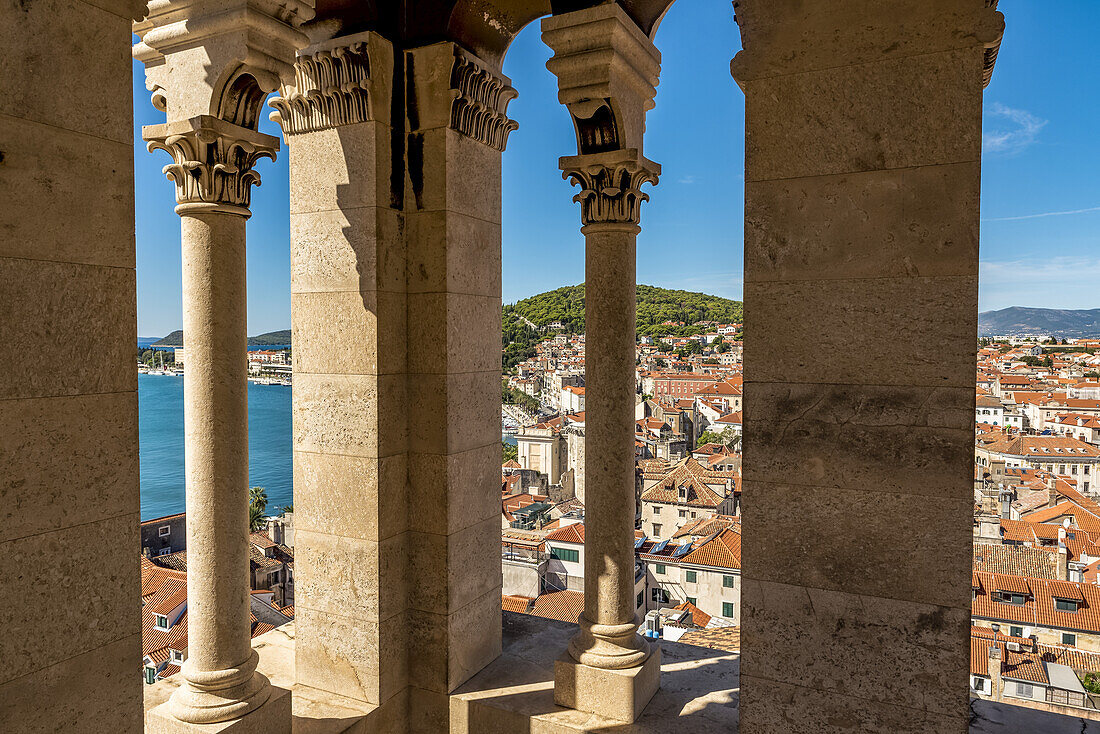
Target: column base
273,716
614,694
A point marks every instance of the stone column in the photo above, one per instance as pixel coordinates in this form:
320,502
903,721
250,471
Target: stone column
863,145
607,69
457,129
69,577
347,286
209,68
213,170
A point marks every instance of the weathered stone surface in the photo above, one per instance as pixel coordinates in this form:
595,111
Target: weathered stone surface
43,575
455,490
453,413
85,183
362,579
836,120
272,717
825,540
615,694
331,411
896,652
788,38
97,685
469,635
891,439
348,157
453,253
91,38
348,249
351,496
66,461
371,326
450,571
853,332
357,658
454,332
904,223
52,310
773,706
442,163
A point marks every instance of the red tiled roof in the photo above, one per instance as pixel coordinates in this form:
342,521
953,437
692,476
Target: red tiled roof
721,551
573,533
564,606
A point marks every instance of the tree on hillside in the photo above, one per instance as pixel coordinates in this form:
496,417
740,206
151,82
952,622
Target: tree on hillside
508,452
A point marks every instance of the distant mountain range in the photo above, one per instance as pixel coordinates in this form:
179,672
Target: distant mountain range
271,338
1020,321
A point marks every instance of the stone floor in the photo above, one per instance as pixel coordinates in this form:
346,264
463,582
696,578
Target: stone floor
514,694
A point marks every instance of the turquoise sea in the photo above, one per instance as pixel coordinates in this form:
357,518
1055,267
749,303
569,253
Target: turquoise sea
160,420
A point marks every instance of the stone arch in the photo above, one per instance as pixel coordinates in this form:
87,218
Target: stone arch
241,100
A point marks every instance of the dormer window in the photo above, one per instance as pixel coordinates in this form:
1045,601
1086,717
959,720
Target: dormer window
1007,597
1065,605
161,622
177,656
164,531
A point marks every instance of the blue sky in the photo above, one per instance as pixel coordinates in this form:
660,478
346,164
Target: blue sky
1040,187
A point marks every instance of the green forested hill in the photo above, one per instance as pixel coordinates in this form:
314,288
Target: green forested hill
655,306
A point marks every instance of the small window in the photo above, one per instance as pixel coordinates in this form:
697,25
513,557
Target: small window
1024,690
978,684
164,531
569,555
659,568
660,596
1069,639
1065,605
150,675
177,656
727,609
656,510
690,577
683,513
693,600
641,598
161,621
1016,631
727,582
657,529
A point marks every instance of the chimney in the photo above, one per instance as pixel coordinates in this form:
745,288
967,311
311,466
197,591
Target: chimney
1063,555
995,666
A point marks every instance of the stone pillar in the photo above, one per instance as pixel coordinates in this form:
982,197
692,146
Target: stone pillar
69,576
457,129
863,144
213,170
348,303
210,75
607,69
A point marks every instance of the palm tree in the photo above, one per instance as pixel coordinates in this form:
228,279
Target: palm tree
257,504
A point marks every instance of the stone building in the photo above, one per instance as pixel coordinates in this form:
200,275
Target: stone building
862,175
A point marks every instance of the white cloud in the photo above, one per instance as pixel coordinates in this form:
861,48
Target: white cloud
1055,282
1009,130
686,180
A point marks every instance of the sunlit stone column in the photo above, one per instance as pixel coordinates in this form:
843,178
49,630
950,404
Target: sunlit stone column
607,69
212,168
209,67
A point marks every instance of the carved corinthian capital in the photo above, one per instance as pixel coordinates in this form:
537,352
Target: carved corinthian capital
481,98
331,88
610,185
212,162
